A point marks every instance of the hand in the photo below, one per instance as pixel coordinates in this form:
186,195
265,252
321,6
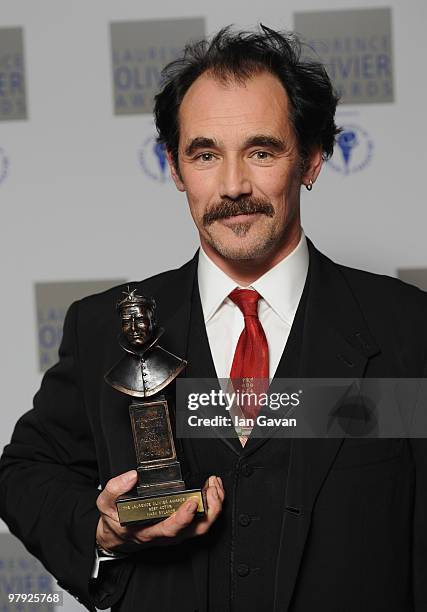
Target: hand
111,536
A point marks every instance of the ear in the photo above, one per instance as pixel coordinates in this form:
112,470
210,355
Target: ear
313,166
174,172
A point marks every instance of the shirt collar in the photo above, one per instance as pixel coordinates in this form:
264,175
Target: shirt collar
281,287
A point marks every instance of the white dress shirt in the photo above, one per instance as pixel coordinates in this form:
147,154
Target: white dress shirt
280,289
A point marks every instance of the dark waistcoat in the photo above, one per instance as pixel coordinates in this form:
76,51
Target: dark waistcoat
243,543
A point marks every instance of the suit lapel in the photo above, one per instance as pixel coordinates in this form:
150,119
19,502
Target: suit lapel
173,299
336,344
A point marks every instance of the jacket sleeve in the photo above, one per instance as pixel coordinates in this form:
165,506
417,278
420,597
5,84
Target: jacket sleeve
49,475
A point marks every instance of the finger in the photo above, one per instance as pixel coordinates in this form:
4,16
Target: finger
172,526
106,501
214,507
209,482
214,502
111,525
220,489
215,481
109,534
112,536
221,495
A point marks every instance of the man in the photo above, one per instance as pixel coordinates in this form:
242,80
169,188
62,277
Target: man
320,524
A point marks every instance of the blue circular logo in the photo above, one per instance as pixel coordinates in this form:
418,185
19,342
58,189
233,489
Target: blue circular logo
353,150
4,165
152,158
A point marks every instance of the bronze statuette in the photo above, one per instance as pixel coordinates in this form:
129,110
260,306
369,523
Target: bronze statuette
144,371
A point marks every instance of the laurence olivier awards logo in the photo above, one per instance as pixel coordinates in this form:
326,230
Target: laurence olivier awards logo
152,159
4,165
21,573
356,48
13,104
414,276
140,50
52,302
353,150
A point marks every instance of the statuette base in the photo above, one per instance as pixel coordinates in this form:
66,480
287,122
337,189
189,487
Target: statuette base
154,507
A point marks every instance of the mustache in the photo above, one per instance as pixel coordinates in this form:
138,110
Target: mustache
242,206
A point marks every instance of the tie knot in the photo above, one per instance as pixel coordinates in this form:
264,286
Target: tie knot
246,300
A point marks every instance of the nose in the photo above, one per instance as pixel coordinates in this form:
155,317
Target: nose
234,180
132,324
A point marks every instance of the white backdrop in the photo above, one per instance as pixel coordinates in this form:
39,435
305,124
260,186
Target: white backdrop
75,196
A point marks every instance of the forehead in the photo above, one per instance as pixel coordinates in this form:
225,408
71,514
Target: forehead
130,311
234,109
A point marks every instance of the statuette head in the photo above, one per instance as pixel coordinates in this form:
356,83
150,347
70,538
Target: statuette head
137,315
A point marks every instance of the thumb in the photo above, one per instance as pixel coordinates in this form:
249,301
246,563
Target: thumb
115,487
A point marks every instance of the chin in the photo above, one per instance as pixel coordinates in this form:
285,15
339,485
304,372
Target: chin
244,241
243,250
139,340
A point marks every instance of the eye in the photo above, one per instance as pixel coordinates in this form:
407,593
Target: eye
205,157
261,155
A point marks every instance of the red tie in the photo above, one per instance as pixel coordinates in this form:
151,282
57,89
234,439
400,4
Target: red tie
249,371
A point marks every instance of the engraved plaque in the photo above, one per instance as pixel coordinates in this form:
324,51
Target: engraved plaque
151,432
155,508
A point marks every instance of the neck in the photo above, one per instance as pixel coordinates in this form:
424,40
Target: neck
245,272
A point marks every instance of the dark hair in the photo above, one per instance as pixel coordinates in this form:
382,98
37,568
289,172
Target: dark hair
239,56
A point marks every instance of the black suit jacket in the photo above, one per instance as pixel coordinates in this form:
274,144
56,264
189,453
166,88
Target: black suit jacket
358,537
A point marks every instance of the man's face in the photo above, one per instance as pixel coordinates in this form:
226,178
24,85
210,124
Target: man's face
136,324
239,166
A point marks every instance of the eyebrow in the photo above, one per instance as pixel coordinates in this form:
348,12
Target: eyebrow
259,140
201,142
